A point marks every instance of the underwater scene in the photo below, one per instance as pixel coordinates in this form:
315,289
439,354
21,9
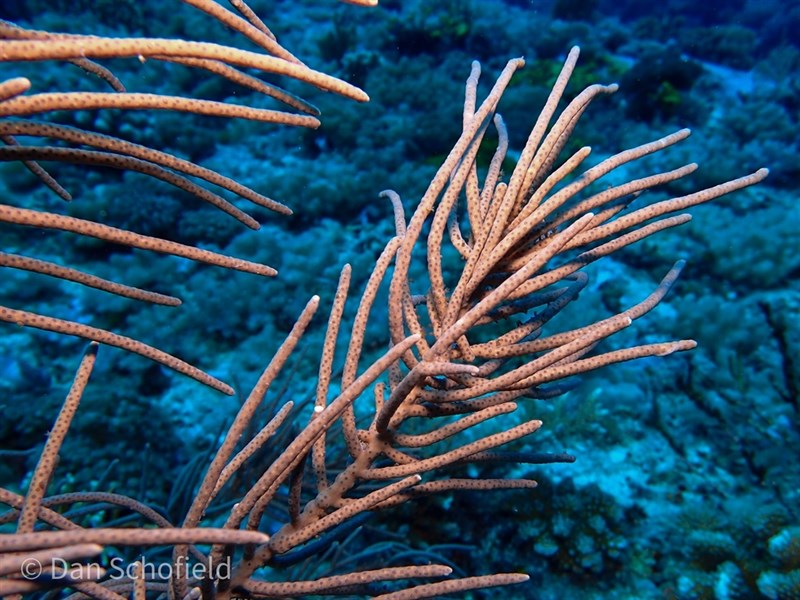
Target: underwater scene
400,299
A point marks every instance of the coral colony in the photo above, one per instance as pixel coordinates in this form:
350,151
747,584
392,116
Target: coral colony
319,329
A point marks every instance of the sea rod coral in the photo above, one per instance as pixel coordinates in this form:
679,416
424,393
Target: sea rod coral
469,341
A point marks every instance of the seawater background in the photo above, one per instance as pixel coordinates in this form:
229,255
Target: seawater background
686,483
